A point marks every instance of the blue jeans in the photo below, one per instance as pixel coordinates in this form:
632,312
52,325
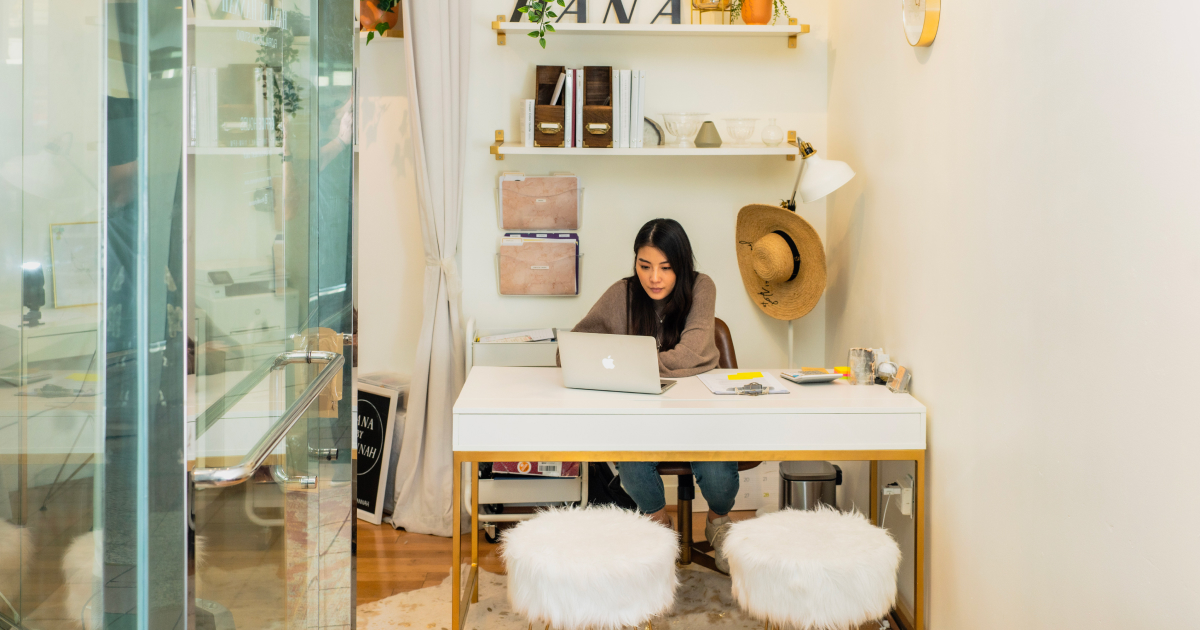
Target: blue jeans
718,482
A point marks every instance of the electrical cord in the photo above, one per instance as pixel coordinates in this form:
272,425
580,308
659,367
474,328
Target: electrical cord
883,513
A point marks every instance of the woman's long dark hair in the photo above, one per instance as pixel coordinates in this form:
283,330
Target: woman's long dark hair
668,236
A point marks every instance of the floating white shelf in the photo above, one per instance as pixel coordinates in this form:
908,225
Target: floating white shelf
203,23
758,149
235,150
787,149
790,31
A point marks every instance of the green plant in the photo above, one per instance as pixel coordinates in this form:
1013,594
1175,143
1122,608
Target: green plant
382,27
277,51
539,13
779,6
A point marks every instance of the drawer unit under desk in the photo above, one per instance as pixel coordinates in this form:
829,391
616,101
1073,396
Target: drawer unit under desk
517,354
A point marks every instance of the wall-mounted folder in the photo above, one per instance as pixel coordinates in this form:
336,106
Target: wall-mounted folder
538,264
549,202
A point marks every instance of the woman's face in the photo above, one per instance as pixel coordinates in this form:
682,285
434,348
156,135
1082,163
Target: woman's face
654,272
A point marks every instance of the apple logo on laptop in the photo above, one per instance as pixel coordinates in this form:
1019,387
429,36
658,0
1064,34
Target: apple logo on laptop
608,362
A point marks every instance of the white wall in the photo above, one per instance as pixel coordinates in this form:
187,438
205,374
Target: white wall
721,76
391,259
1023,234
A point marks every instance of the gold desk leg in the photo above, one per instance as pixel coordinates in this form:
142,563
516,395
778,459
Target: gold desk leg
874,488
919,561
475,528
456,548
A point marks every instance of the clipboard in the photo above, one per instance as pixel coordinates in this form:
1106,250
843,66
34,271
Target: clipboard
728,382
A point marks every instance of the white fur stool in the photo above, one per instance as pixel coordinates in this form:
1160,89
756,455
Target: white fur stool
813,570
600,568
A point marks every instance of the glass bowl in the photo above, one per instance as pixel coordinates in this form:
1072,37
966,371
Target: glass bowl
740,130
684,126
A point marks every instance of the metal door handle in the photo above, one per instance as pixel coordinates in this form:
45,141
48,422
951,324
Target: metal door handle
233,475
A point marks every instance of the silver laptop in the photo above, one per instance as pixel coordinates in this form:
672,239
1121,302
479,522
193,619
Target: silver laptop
614,363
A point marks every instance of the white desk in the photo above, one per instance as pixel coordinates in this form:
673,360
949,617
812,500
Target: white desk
515,413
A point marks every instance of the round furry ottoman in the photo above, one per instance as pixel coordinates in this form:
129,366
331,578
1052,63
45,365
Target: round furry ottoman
599,568
813,570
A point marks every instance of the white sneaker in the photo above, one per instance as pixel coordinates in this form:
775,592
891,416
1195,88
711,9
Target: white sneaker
715,532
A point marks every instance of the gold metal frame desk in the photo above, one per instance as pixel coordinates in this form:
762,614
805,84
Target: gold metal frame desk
525,414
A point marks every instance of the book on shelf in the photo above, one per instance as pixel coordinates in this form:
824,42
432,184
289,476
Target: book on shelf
625,106
616,108
562,77
568,108
640,123
579,107
528,126
635,96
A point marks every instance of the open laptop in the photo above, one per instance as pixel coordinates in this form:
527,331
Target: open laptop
614,363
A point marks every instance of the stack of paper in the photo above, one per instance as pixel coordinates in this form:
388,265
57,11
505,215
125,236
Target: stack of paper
727,382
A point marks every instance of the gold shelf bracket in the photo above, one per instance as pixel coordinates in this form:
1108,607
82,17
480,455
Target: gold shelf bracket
501,36
792,141
804,28
499,143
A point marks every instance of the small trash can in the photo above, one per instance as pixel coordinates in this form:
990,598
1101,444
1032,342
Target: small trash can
802,485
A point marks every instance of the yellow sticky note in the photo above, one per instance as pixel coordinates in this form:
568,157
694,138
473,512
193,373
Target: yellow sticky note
88,378
745,376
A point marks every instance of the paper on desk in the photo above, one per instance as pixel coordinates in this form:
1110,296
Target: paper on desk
726,382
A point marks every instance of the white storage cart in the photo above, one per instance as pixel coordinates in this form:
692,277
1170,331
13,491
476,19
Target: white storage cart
517,492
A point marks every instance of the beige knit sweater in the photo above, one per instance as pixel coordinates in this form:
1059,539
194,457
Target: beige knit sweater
695,353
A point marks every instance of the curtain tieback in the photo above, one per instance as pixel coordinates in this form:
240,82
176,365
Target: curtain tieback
449,271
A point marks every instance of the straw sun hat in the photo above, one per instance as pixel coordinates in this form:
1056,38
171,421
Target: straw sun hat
781,259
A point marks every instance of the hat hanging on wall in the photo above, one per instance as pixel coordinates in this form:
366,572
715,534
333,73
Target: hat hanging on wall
782,260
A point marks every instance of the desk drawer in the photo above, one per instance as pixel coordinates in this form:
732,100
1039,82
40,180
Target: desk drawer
689,432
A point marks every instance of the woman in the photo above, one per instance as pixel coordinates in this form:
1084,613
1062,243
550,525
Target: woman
666,298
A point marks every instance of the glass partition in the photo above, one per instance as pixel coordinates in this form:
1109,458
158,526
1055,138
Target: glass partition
269,162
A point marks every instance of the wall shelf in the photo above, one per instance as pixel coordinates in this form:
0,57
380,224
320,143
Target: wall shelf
788,149
208,23
790,30
235,151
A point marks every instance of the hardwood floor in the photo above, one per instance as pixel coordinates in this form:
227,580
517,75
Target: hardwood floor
393,561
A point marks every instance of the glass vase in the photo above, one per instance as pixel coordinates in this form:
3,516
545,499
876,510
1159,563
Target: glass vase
772,134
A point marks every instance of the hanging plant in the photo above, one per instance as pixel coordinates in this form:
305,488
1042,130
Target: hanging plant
539,13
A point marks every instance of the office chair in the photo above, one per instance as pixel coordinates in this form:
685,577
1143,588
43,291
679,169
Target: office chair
683,470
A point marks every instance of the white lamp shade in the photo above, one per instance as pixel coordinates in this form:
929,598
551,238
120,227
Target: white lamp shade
822,177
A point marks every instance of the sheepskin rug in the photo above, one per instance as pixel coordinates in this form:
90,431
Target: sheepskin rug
601,568
702,601
813,570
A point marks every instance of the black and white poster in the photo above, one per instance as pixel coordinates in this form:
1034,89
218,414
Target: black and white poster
376,415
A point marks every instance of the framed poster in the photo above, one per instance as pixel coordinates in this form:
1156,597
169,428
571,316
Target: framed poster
75,263
376,417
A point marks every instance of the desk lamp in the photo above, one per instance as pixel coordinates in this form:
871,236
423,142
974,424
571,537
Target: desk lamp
817,177
33,292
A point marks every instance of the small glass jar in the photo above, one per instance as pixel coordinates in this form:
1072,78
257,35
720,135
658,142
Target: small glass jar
772,134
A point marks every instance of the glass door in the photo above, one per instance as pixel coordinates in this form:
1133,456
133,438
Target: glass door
269,260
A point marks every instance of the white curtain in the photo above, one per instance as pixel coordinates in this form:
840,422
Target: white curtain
438,49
